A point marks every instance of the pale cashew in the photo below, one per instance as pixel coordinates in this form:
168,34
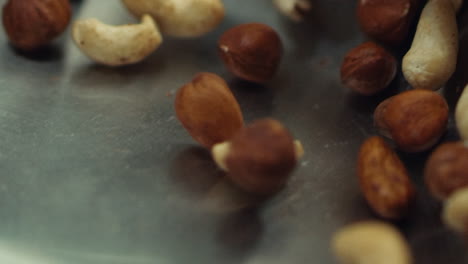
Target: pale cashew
181,18
294,9
117,45
455,212
371,243
432,59
461,115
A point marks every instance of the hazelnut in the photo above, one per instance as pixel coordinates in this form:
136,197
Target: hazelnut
31,24
384,179
208,110
251,51
259,158
387,21
414,119
368,69
447,169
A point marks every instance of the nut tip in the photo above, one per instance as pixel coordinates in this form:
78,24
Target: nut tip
220,152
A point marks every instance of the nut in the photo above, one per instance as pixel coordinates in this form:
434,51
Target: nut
208,110
259,158
251,51
447,169
384,179
371,242
414,119
31,24
455,213
368,69
116,45
187,18
461,115
294,9
432,58
387,21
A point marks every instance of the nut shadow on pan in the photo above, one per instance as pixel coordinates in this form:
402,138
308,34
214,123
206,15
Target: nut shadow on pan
96,75
195,175
48,53
240,232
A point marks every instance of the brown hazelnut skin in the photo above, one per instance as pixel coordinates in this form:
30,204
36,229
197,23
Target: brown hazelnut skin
31,24
383,179
208,110
261,157
387,21
368,69
415,119
251,51
446,170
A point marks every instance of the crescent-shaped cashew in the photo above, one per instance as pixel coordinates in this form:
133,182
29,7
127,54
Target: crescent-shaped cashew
461,115
180,18
117,45
370,242
432,59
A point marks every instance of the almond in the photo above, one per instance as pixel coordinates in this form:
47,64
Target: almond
384,179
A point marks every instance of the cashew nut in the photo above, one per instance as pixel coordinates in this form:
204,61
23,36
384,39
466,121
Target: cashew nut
180,18
117,45
455,212
371,243
294,9
461,115
432,59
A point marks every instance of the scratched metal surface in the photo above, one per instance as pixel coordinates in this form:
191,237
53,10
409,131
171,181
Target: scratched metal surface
95,168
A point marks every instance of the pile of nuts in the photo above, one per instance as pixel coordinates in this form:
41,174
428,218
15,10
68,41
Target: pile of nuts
414,120
260,157
32,24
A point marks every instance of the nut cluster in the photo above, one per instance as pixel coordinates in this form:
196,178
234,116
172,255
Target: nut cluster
258,158
414,120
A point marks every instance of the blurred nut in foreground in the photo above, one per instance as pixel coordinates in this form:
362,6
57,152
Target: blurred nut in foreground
251,51
387,21
461,115
447,169
31,24
208,110
455,212
414,119
384,179
186,18
116,45
259,158
368,69
371,242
